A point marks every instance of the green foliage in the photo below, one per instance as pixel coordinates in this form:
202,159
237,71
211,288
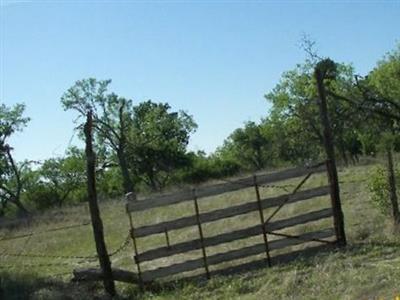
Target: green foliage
249,146
11,173
385,78
294,107
148,141
58,180
157,142
112,120
41,196
202,168
378,186
109,183
11,121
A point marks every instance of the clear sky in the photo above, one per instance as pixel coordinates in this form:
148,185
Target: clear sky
214,59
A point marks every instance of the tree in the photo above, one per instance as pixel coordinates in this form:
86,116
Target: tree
62,176
111,119
249,146
378,93
157,142
202,167
12,178
378,96
288,141
382,97
293,102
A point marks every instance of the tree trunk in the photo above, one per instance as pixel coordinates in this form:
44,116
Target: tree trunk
15,197
21,208
392,189
338,218
127,180
344,155
97,223
152,180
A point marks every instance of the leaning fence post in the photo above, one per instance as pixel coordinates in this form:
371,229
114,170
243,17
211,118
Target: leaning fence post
128,197
203,248
260,210
320,73
97,223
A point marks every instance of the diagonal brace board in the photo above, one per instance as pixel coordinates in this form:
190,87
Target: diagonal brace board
233,235
229,212
207,191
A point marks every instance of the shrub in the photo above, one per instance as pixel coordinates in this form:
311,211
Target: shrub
378,187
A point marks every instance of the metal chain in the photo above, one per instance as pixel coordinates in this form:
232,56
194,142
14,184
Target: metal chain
121,247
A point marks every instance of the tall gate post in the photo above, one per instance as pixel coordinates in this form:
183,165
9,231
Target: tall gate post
320,74
97,223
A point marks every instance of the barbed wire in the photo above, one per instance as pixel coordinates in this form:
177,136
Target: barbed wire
119,249
7,238
39,265
30,255
83,259
284,187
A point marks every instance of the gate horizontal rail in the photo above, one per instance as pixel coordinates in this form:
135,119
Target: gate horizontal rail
204,242
213,190
229,212
194,264
232,236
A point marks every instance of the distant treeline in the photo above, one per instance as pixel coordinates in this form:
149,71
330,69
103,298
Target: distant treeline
143,148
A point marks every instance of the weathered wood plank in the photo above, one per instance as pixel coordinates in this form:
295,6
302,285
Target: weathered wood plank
259,264
233,236
234,254
300,219
273,245
207,191
229,212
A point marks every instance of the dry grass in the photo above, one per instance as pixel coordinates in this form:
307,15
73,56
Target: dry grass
368,268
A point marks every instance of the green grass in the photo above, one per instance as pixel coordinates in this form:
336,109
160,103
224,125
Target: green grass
368,268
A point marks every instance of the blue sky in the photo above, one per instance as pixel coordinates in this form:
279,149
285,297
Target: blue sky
214,59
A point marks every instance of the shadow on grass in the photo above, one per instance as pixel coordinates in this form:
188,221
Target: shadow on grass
30,286
18,286
25,286
308,258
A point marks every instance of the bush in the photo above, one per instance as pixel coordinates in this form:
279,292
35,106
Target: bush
378,187
202,168
41,197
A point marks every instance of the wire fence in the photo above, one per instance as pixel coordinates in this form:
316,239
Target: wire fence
55,260
7,238
79,260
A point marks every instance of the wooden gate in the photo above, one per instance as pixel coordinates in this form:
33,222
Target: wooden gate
168,260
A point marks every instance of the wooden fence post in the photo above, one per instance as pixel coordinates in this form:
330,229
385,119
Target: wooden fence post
203,248
264,231
320,72
392,188
97,223
132,197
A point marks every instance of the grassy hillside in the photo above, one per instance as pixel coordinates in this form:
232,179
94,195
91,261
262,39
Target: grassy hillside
368,268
